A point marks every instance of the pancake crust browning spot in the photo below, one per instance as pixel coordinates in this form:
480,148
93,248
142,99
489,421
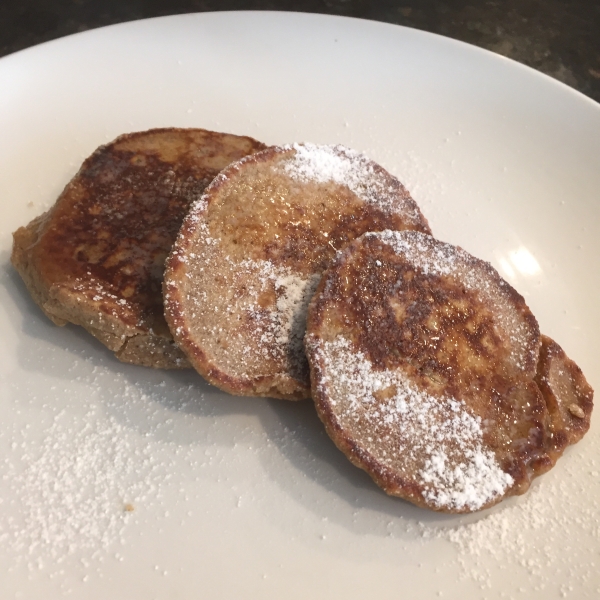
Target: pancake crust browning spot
423,363
97,257
251,252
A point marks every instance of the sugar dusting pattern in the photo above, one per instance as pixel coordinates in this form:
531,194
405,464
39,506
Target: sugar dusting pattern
430,258
71,490
543,536
435,438
70,498
282,327
322,164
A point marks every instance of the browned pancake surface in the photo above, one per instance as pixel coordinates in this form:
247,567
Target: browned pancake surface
423,362
97,257
251,252
569,397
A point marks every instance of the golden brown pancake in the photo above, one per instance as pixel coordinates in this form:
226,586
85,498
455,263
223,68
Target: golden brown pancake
96,258
251,252
424,371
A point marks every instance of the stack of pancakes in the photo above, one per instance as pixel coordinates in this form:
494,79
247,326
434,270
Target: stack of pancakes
309,271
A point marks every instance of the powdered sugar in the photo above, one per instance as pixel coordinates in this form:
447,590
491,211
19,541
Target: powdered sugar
431,258
321,164
100,291
293,295
409,431
326,163
544,536
72,482
282,326
74,492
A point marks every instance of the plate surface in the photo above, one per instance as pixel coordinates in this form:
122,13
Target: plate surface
124,482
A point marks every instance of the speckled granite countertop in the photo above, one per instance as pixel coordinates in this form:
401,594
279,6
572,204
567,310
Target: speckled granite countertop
558,37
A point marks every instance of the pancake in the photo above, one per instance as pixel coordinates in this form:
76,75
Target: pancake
250,254
424,368
96,258
568,396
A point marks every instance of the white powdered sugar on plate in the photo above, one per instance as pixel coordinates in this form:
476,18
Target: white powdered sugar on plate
76,491
71,488
548,530
436,440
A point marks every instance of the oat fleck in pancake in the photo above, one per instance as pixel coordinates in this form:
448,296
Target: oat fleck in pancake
96,258
424,364
251,252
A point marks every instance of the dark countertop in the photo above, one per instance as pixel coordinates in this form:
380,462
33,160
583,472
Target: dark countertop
558,37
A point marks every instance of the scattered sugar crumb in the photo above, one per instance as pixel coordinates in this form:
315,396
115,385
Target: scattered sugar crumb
72,490
544,536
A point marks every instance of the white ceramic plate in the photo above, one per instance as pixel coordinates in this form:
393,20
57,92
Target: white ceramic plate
124,482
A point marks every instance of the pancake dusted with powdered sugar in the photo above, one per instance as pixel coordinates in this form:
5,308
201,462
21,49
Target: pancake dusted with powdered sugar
250,254
424,364
96,258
